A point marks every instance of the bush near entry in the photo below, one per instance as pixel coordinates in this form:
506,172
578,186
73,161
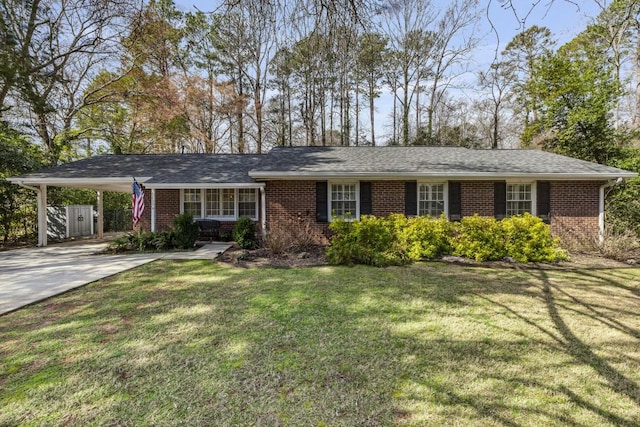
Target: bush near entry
182,236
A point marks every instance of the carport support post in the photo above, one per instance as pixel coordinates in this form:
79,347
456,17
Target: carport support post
42,215
100,231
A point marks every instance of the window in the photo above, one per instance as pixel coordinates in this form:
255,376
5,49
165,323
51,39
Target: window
222,203
343,200
192,203
247,205
228,201
431,199
213,202
519,199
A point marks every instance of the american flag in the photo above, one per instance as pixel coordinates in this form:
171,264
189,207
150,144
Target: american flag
138,202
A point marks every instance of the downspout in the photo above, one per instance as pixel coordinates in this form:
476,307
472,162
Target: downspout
153,210
263,212
601,208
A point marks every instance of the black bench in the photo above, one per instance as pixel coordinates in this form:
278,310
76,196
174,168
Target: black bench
208,228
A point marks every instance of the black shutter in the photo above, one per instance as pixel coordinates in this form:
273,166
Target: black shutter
365,198
455,201
543,200
500,199
322,202
410,198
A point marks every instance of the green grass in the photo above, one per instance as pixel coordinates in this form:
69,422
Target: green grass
195,343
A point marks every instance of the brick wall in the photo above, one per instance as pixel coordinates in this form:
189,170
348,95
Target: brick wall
167,207
574,205
387,197
477,198
292,204
574,211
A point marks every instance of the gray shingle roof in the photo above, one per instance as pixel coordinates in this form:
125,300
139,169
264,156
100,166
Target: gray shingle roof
425,161
161,168
170,170
116,172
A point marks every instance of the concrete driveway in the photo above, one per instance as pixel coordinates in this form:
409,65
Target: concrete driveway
32,274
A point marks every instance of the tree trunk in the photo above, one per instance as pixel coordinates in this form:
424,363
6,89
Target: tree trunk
258,106
372,114
357,116
395,113
405,109
637,67
239,115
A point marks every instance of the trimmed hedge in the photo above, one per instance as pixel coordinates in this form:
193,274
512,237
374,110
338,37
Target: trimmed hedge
397,240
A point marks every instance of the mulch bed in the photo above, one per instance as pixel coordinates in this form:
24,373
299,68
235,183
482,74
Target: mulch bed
314,256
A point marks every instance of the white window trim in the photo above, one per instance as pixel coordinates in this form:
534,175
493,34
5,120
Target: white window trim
221,217
182,202
534,194
445,194
203,204
330,184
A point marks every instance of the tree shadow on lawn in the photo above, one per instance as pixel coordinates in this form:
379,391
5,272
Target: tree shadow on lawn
423,345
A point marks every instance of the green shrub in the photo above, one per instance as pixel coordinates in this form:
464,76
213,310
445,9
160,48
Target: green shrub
398,240
369,241
141,241
528,239
123,244
480,238
185,231
424,237
165,240
244,233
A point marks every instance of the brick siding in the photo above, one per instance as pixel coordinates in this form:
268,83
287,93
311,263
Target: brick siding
476,198
574,205
574,211
387,197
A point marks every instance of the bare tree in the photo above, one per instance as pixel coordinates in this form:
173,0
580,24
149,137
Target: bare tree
50,52
498,81
453,42
404,24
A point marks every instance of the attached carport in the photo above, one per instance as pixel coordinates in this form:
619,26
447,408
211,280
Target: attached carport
40,184
153,171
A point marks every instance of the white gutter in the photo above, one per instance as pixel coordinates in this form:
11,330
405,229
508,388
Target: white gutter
177,185
448,175
74,182
153,210
601,207
263,212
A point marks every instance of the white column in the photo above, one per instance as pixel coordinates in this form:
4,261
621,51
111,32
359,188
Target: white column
153,210
601,211
263,211
100,223
42,215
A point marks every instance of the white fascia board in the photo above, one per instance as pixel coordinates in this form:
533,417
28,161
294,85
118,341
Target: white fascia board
560,176
178,185
77,182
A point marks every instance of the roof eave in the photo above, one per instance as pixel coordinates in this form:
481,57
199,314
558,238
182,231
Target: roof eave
181,185
284,175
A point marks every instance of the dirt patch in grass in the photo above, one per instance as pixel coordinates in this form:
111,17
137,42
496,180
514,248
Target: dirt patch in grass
238,257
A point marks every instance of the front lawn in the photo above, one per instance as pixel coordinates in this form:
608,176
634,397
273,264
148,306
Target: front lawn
195,343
